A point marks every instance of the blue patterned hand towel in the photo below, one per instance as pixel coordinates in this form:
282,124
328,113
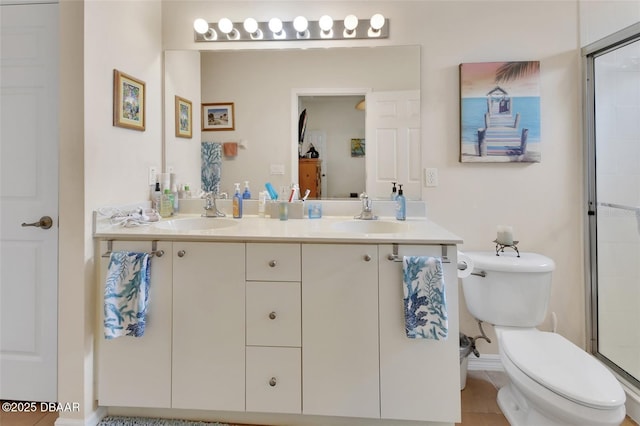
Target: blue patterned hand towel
126,294
425,308
211,166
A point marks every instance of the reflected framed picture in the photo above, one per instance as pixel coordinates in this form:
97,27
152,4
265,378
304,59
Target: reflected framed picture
128,101
184,117
218,116
357,147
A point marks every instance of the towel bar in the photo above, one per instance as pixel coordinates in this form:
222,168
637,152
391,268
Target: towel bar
154,249
394,256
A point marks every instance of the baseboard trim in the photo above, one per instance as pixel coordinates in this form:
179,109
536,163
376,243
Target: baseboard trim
91,420
486,362
633,402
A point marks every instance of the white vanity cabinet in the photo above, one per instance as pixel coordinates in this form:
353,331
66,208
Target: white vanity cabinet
208,359
273,381
416,375
136,371
340,365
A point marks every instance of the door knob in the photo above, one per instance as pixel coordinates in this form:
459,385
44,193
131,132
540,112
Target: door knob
45,222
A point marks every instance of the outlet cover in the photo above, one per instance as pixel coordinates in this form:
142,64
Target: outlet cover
153,175
430,177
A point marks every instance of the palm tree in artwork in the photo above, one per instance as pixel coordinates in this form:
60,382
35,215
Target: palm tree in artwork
515,70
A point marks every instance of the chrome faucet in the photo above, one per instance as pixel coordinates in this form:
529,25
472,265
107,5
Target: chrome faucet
366,213
210,208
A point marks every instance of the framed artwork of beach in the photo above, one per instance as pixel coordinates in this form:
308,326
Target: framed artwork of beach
184,117
500,112
218,116
128,101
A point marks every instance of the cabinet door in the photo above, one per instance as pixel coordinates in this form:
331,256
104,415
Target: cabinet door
340,330
136,371
208,326
419,378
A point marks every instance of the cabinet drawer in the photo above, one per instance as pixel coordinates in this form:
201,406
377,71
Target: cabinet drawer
273,262
273,380
273,313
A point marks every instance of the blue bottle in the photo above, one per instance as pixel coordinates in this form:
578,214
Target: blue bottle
237,203
246,194
401,205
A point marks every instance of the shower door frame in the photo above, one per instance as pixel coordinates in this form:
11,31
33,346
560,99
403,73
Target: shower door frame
590,52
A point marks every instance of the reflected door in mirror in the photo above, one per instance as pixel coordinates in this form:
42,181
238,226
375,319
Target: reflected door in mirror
309,176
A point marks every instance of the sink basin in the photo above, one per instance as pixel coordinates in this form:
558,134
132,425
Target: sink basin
196,224
371,227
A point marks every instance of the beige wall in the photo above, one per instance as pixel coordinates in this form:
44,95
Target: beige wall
542,201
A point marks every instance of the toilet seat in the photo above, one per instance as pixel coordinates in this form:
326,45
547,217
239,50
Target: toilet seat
560,366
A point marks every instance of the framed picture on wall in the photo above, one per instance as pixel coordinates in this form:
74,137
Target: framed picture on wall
357,147
184,117
128,101
218,116
500,112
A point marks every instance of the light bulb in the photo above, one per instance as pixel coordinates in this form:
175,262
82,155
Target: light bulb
377,21
251,25
326,23
350,23
275,25
200,26
225,25
300,24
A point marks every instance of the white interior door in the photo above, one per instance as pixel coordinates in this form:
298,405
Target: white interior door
28,191
393,143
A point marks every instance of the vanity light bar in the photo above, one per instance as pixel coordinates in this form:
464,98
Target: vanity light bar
251,30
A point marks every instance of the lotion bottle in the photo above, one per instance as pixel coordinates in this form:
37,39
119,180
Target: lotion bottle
401,205
237,203
246,194
394,194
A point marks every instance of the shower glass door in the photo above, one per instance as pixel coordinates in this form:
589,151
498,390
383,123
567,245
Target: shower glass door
613,132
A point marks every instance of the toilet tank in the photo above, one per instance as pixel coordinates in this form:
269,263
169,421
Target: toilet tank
514,291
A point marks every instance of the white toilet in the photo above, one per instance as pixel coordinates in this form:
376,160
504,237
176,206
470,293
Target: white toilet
551,380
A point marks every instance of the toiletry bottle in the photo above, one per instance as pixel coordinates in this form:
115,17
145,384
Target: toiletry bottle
166,204
237,202
394,193
246,194
262,203
401,205
187,191
157,197
176,202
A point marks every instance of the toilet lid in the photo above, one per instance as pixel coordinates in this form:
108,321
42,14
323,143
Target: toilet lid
559,365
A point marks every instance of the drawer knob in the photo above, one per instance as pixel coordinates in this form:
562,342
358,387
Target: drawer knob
367,258
272,315
273,382
273,263
181,253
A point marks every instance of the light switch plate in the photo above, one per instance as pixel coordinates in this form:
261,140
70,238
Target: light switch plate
277,169
153,175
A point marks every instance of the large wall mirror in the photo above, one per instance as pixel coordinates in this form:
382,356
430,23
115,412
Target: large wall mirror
269,89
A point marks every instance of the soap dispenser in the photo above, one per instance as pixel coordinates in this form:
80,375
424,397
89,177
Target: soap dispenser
401,205
394,193
246,194
237,202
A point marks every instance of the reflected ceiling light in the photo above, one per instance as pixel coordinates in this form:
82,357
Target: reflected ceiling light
301,25
376,23
326,25
226,27
350,25
251,26
275,25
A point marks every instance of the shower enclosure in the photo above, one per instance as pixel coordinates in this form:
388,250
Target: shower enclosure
612,130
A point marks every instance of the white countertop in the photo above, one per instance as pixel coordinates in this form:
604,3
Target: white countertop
254,228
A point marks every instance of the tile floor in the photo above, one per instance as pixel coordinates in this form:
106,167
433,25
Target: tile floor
479,406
